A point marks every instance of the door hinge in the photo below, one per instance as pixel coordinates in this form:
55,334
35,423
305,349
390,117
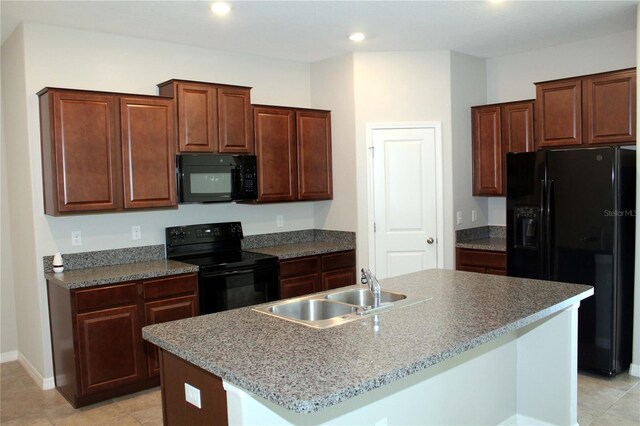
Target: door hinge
372,151
374,227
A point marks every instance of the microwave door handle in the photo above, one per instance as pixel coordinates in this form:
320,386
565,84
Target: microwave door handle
227,274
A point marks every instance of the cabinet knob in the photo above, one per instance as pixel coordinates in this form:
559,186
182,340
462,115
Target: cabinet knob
430,240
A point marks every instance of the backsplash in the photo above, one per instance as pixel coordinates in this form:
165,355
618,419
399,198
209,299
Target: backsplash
296,237
481,233
93,259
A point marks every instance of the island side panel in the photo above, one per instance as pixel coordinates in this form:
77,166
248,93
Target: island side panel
547,370
175,372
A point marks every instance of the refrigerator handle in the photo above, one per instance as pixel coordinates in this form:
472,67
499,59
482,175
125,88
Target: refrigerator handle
549,226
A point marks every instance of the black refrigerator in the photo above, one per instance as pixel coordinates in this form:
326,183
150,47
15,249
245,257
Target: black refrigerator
571,218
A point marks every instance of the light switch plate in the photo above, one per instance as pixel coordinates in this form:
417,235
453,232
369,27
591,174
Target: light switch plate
458,217
279,221
76,238
135,232
474,215
192,395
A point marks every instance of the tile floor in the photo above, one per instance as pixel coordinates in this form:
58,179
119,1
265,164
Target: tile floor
601,401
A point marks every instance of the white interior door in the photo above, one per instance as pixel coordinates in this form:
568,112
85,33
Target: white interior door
405,191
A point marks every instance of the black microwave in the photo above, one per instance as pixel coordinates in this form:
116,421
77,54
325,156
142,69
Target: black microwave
213,178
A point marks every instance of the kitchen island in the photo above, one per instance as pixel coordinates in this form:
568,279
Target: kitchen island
481,349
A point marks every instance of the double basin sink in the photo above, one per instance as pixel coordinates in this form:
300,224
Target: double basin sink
335,307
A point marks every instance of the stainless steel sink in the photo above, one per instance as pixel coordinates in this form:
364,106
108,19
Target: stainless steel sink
312,309
363,297
335,307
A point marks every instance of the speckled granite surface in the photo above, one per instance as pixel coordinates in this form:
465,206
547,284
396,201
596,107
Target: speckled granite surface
305,369
94,259
287,245
89,277
493,238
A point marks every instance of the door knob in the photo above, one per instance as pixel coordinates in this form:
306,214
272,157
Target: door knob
429,240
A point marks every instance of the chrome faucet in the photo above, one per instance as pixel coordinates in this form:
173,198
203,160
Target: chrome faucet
369,279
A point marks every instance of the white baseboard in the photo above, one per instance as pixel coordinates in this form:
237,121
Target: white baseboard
634,370
520,420
8,356
45,383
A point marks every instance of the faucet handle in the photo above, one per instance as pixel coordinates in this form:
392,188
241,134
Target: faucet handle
363,277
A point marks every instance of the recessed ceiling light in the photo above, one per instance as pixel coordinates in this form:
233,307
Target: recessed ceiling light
357,37
220,8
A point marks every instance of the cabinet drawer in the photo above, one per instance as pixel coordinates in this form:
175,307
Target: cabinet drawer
102,297
488,259
301,266
170,286
345,259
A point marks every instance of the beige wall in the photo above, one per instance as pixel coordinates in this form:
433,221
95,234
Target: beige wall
402,87
332,88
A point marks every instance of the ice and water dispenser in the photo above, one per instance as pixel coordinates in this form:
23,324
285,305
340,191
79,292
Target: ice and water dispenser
526,226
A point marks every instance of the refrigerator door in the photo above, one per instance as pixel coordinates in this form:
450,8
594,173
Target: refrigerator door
525,196
580,236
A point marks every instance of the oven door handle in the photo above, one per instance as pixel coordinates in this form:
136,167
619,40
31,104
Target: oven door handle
226,274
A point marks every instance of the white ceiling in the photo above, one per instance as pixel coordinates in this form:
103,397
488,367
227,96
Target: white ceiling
310,31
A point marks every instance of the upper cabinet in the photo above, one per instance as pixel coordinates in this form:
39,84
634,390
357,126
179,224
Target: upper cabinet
588,110
293,149
211,117
496,130
106,152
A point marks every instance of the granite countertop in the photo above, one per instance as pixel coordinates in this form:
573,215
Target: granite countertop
289,251
305,369
489,244
89,277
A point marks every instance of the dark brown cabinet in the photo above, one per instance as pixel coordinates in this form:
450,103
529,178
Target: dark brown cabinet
496,130
148,154
96,336
311,274
106,152
211,117
587,110
293,148
483,261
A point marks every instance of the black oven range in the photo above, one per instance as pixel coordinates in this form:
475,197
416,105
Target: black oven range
228,276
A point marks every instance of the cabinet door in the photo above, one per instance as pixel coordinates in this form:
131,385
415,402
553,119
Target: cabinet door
276,153
109,345
487,150
299,286
609,108
148,153
197,112
559,113
517,127
314,155
163,311
235,133
338,278
79,152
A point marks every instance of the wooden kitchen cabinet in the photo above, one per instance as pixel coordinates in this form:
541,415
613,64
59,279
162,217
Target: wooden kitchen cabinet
211,117
96,334
496,130
80,152
311,274
148,153
586,110
293,149
106,151
483,261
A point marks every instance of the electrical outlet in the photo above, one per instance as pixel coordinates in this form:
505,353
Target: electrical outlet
76,238
279,221
474,215
135,232
192,395
458,217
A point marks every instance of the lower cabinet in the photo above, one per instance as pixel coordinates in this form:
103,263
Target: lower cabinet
483,261
310,274
96,334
